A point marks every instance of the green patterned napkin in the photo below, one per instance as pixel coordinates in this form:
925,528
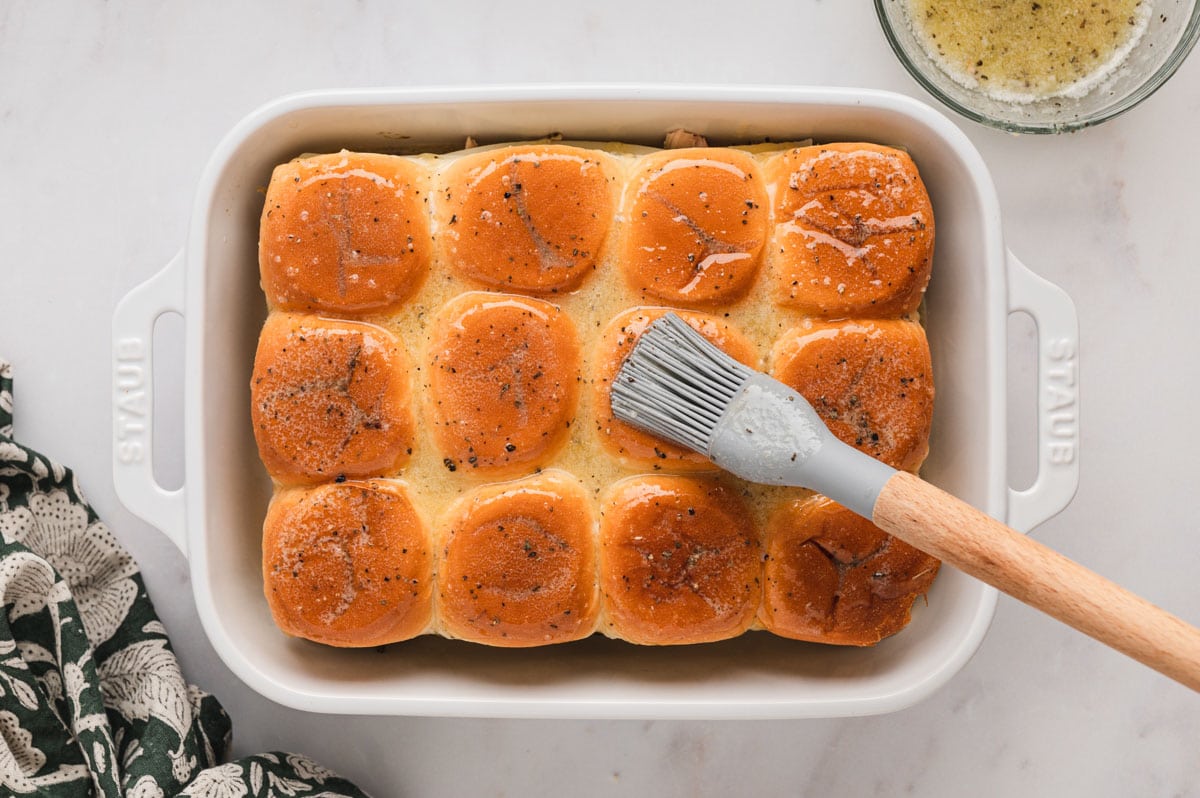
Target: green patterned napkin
92,699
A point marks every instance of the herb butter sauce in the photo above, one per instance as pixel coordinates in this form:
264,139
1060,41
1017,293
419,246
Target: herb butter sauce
1022,51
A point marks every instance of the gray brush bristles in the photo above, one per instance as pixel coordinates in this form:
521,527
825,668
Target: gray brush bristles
676,385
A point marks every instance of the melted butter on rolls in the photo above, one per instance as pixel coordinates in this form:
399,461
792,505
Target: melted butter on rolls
697,225
504,381
465,376
853,231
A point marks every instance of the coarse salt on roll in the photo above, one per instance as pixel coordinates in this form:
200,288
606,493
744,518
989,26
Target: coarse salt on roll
853,231
348,564
330,398
696,225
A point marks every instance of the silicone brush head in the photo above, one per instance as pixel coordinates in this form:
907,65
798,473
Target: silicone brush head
677,385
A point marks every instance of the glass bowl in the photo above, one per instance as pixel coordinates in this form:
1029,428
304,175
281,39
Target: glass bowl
1173,28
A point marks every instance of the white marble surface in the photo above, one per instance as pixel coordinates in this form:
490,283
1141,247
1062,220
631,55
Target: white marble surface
109,111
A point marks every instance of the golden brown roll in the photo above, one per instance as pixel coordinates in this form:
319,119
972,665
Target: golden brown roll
346,233
504,381
632,446
518,564
870,381
853,231
330,399
697,220
528,218
679,561
834,577
348,564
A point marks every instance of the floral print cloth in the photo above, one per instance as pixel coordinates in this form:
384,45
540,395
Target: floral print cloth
92,699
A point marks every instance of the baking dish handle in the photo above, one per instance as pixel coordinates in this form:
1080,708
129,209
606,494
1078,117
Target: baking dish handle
1057,396
133,401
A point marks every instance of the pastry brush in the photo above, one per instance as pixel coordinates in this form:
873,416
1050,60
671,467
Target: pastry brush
678,386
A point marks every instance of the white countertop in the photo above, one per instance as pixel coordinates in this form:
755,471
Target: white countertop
109,112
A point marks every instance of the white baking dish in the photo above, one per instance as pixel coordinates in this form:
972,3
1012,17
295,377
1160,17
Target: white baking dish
216,517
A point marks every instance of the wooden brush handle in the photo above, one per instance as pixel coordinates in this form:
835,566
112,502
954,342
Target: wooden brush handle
951,530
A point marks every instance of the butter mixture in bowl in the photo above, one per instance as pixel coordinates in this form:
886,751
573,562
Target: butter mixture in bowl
1041,66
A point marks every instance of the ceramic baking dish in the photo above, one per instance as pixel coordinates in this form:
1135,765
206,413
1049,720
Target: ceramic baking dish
216,517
